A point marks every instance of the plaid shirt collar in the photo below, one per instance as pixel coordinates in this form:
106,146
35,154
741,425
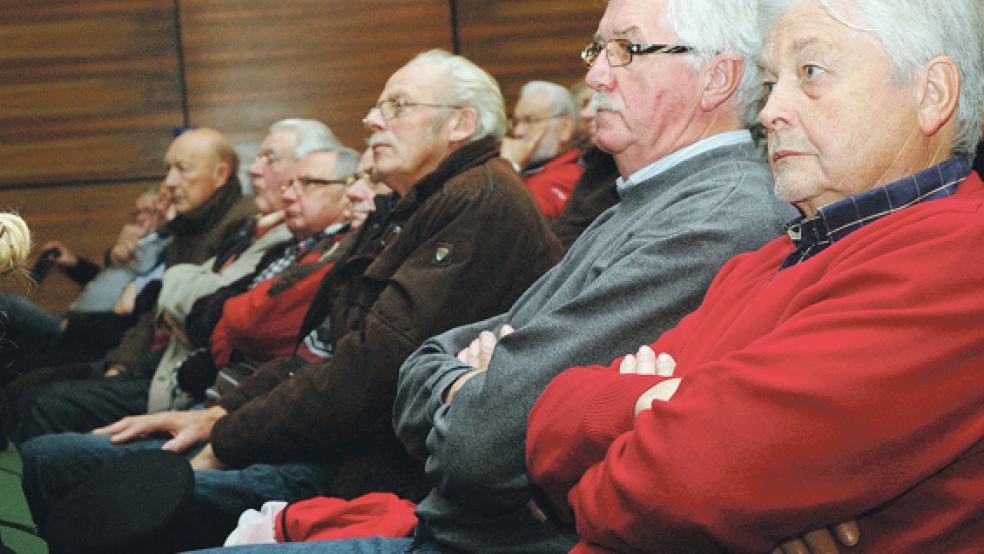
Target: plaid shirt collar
835,221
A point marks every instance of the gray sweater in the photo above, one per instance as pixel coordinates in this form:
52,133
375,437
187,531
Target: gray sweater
634,273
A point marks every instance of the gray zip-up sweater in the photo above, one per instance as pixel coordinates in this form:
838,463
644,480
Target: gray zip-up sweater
634,273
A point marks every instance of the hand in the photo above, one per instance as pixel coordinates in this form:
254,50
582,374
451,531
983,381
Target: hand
114,371
126,244
519,150
127,300
206,459
176,330
646,362
186,428
477,355
822,541
62,255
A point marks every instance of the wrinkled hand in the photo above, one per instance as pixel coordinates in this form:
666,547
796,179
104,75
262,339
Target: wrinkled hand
62,256
519,150
822,541
206,459
646,362
477,355
127,300
126,244
186,428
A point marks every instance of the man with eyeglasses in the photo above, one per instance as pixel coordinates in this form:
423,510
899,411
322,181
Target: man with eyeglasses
540,144
458,241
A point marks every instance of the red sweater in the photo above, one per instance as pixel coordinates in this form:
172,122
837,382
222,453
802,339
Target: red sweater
850,385
261,326
552,184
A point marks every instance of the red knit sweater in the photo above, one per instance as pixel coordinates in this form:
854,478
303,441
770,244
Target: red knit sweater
552,185
850,385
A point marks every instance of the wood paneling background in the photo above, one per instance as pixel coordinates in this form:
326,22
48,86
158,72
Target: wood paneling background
90,92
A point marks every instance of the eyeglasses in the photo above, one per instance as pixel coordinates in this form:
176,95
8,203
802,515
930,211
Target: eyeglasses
391,108
620,51
530,119
268,157
308,182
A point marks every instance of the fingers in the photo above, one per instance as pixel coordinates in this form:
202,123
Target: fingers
628,365
820,542
794,546
184,440
536,511
661,391
665,365
645,361
847,533
123,430
505,330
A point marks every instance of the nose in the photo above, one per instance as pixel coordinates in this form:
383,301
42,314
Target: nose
373,120
172,178
778,108
600,74
358,192
256,169
289,195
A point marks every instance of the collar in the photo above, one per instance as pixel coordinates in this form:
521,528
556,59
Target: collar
691,150
570,156
202,217
833,222
468,156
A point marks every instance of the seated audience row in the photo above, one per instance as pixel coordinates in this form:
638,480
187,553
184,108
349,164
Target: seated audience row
443,351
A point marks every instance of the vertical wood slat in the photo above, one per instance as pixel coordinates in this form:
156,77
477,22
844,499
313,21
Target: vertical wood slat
88,90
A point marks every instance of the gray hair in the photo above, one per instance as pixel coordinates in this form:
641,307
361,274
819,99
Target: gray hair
311,135
470,85
346,162
912,32
560,98
711,27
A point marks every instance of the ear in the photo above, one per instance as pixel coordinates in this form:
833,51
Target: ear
938,94
221,174
463,124
723,75
566,129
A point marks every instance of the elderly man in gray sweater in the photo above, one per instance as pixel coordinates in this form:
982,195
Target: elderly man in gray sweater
673,88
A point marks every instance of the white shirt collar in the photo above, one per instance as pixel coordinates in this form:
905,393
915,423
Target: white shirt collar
691,150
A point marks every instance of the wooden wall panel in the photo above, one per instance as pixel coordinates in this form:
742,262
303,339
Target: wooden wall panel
88,90
86,218
524,40
250,63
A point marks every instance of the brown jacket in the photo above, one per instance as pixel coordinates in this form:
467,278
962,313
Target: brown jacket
197,236
461,246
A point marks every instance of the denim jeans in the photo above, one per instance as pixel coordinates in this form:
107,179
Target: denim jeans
55,464
371,545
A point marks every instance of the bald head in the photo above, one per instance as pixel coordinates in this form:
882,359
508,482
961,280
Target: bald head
199,162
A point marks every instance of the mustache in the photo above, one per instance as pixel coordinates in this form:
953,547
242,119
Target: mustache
374,140
785,142
601,101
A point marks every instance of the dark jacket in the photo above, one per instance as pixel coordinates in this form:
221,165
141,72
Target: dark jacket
460,247
594,193
198,235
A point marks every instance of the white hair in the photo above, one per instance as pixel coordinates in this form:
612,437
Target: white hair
468,85
15,242
560,98
912,32
311,135
346,160
711,27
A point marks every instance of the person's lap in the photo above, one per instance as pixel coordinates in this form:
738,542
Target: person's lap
371,545
55,464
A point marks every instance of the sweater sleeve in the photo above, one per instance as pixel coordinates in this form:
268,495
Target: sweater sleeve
83,271
457,251
862,391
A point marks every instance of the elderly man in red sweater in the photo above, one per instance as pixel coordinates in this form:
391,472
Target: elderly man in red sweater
836,372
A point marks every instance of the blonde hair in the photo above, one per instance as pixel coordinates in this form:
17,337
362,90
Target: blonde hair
15,242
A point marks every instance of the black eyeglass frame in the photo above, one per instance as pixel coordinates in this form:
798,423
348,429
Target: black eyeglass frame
346,182
591,52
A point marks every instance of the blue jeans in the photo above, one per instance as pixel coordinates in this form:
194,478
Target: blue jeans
55,464
371,545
